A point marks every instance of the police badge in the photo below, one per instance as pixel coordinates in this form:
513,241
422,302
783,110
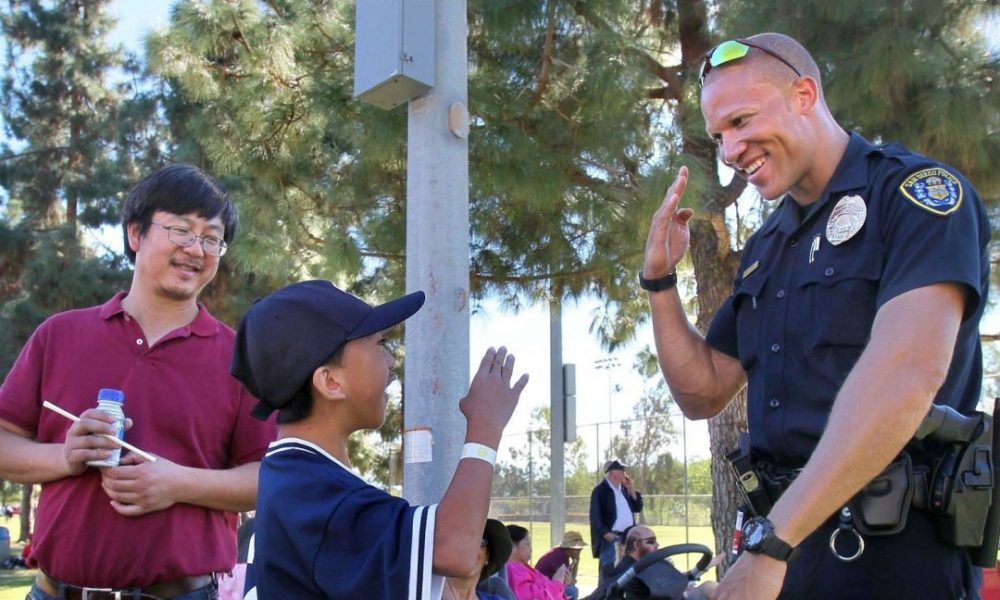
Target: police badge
847,218
935,190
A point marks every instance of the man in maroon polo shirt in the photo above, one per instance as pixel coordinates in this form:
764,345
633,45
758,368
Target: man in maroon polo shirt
158,528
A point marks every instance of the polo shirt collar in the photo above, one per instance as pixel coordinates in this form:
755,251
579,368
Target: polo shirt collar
851,173
204,324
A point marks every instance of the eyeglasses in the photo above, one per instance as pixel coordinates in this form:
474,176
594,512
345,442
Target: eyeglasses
734,50
650,540
184,237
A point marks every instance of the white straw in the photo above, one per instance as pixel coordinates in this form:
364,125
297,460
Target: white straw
121,443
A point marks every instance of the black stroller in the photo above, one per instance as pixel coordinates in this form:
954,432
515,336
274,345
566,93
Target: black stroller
653,578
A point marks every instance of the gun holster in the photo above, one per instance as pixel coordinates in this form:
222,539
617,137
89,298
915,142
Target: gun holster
960,479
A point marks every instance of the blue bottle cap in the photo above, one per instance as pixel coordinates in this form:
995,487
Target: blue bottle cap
112,395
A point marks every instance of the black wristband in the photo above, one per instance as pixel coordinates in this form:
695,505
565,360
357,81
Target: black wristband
658,285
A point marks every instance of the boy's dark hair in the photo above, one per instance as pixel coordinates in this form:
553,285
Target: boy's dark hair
301,404
179,189
517,533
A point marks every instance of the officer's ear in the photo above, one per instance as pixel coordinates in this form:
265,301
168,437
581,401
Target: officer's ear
805,94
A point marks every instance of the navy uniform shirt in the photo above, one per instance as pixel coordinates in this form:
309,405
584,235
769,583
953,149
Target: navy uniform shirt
802,308
322,533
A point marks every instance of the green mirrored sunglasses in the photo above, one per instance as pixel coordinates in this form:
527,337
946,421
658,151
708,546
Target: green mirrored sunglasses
734,50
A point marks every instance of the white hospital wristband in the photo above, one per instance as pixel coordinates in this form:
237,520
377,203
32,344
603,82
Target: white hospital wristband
483,453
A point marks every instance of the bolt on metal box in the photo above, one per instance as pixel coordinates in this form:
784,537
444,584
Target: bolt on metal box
393,51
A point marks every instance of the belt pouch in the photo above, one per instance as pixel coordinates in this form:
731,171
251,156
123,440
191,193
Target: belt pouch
881,507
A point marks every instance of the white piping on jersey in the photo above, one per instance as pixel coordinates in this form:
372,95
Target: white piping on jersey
431,585
283,445
422,555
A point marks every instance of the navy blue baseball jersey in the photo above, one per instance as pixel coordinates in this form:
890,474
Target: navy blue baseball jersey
806,293
322,532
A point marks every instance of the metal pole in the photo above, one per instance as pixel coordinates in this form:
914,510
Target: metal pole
437,261
557,470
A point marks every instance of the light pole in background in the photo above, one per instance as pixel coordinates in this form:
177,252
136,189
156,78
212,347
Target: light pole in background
606,364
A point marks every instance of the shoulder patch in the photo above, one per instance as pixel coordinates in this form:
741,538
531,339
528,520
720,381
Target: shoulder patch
935,190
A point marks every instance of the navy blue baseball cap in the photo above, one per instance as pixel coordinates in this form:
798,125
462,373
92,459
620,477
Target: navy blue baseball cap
289,333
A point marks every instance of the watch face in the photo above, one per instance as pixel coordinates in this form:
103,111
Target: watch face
754,533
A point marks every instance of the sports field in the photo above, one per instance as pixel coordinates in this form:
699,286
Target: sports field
587,574
14,585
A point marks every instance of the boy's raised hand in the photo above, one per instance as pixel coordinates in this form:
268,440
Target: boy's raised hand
491,399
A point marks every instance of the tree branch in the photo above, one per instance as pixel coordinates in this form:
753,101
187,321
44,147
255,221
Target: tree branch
543,77
30,152
671,76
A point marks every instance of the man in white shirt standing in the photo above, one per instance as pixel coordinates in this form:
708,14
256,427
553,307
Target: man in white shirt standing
613,505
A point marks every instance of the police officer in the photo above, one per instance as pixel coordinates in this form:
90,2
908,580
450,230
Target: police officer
855,305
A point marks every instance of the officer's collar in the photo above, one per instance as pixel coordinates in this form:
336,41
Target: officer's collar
851,174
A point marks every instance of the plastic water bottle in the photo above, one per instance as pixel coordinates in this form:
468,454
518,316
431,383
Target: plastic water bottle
110,401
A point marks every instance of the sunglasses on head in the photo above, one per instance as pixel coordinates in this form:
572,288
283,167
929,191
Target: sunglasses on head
731,50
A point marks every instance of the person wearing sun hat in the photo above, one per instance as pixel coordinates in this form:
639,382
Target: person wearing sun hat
562,562
494,550
315,354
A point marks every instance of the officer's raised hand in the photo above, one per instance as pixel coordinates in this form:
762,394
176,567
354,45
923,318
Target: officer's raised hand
752,577
669,235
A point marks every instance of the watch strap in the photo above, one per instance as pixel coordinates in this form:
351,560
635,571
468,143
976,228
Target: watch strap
770,544
659,284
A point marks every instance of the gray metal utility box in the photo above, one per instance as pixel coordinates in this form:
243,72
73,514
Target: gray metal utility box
393,50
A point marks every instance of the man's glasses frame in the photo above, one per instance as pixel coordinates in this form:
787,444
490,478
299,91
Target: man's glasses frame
736,49
184,237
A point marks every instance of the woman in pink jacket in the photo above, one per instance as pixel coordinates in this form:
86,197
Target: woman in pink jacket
528,583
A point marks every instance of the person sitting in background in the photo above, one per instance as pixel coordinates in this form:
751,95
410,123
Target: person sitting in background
528,583
639,541
493,553
561,562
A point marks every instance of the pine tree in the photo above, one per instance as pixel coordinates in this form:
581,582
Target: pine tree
583,110
63,163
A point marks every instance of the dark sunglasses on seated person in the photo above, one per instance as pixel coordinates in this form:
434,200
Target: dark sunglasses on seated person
731,50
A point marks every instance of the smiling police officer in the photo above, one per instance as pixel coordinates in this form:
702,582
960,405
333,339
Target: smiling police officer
855,306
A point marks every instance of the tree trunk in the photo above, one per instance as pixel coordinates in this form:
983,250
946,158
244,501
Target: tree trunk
714,261
26,494
714,266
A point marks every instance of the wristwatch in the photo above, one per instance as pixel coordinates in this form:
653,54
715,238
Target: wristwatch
659,284
759,538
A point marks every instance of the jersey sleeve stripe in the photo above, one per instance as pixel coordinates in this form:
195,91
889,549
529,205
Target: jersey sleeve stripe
422,552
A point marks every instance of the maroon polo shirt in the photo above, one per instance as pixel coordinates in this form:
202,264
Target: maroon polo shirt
185,407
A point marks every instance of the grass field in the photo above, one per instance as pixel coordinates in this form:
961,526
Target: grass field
14,585
587,574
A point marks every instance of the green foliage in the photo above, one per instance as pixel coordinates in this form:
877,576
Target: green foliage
918,72
268,104
71,141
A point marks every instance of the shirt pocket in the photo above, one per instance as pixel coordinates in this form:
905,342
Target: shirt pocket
840,291
746,305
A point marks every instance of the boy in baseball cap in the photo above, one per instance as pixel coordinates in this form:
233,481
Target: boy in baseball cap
315,354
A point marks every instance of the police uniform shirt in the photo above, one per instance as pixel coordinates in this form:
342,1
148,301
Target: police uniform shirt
322,532
802,307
